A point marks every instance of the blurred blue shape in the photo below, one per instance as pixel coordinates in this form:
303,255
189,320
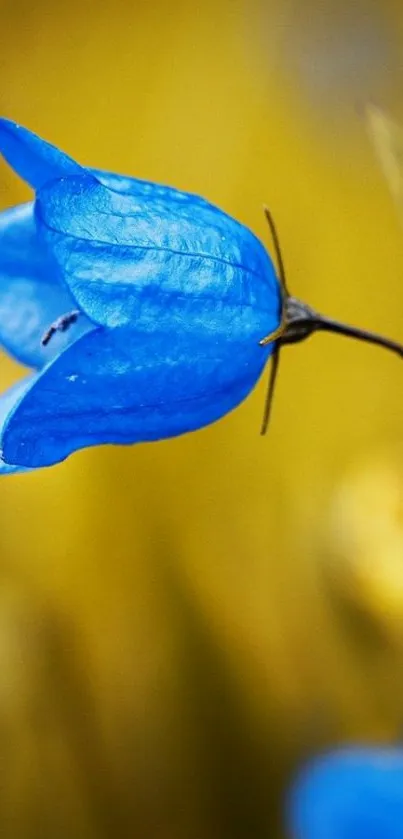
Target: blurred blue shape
166,297
353,793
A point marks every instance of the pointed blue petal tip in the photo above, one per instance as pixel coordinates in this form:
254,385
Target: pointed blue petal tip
33,159
8,401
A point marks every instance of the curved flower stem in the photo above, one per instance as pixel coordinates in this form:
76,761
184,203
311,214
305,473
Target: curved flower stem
328,325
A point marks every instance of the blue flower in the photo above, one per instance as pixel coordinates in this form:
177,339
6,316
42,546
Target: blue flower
353,793
170,298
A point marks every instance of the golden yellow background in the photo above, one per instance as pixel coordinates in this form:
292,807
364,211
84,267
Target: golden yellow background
183,623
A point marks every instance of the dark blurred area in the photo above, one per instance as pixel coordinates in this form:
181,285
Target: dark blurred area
183,624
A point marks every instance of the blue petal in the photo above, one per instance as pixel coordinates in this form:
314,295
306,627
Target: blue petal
349,794
35,160
116,249
30,296
123,388
8,400
145,190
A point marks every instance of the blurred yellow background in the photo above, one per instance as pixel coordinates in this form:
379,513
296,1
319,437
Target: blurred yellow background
182,623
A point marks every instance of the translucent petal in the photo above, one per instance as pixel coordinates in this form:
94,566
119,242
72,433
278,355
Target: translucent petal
116,248
123,388
7,402
30,296
35,160
145,190
351,793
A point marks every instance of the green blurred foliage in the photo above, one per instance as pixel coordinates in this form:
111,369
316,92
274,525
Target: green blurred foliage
180,623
